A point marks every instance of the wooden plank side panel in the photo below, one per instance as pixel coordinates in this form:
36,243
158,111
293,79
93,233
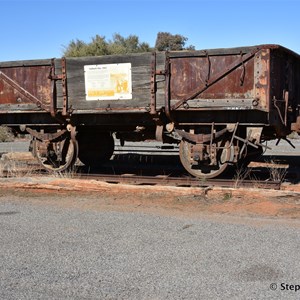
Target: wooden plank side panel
141,77
58,83
160,80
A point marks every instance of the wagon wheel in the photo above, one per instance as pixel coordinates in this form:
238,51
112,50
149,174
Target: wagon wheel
95,148
206,171
56,156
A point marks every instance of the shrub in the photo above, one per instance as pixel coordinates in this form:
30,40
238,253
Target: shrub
6,134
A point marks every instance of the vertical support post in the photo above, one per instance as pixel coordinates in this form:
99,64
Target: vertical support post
64,87
167,87
54,92
153,84
286,101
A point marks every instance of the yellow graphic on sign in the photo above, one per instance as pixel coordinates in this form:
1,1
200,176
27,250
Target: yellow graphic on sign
98,93
108,82
121,83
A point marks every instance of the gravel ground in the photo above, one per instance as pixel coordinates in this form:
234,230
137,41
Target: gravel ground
56,252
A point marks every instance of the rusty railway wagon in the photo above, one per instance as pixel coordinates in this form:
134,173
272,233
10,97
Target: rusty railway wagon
219,105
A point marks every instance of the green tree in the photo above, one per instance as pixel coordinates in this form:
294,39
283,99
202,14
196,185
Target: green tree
99,46
166,41
121,45
131,44
75,48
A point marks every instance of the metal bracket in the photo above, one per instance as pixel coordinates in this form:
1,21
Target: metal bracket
154,73
276,102
159,133
167,88
73,132
63,78
201,138
242,77
46,136
208,68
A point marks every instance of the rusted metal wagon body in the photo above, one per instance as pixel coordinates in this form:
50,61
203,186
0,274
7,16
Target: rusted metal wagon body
219,104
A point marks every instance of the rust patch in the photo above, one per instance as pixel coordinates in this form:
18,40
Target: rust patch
33,79
187,74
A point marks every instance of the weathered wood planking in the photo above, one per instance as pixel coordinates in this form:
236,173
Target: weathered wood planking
141,82
25,63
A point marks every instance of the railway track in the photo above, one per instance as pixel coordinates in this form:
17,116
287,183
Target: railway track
148,165
179,181
164,180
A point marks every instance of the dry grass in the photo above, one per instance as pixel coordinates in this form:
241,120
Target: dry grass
68,174
23,164
12,168
277,174
17,165
241,174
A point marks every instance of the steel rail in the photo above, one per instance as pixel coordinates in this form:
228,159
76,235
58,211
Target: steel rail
162,180
179,181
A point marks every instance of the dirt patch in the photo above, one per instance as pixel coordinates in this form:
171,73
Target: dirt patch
95,195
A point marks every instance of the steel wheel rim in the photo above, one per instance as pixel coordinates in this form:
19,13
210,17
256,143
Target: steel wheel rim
205,172
55,166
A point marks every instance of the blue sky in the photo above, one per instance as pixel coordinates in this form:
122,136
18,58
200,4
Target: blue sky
40,29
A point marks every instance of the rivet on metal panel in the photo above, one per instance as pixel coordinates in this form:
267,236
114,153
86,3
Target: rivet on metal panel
255,102
108,108
186,105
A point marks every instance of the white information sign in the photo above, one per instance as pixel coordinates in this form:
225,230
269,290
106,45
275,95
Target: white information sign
108,82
